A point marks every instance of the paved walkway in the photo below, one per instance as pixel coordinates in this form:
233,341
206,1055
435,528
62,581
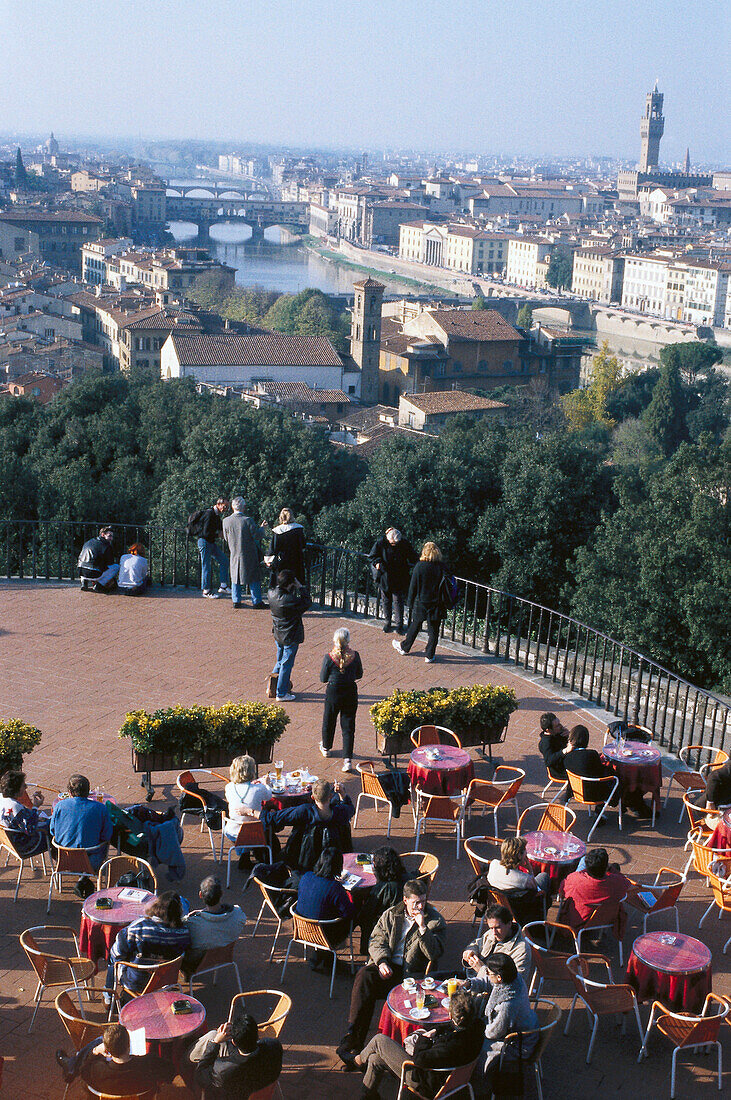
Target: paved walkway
74,664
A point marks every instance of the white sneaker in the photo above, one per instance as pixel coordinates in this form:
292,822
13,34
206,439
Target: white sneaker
285,698
398,647
323,751
211,595
429,660
225,589
347,765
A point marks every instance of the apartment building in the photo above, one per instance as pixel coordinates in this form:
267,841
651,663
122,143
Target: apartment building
528,259
645,283
598,274
457,247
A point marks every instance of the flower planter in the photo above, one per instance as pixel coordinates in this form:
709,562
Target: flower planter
214,758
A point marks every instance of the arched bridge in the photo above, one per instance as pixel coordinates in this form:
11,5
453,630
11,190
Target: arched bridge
259,213
210,190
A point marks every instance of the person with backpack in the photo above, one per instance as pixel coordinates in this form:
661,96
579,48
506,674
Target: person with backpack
206,527
428,599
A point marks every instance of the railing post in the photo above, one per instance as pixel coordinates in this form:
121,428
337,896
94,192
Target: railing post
486,639
566,653
529,637
548,646
518,633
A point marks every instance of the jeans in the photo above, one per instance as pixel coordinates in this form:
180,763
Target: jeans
208,550
237,592
283,668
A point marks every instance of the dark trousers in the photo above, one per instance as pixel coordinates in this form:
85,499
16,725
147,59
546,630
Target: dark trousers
433,622
389,599
345,704
368,987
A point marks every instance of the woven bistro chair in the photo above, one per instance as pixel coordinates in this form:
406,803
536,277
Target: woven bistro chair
689,778
667,888
549,964
600,998
52,970
433,735
553,817
721,888
440,809
501,789
426,872
269,906
371,787
68,861
251,835
185,782
270,1027
457,1081
691,1033
113,868
82,1029
552,1015
215,959
312,933
159,975
7,846
584,791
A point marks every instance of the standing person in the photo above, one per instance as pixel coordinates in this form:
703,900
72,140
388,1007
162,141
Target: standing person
341,667
288,602
287,548
208,530
391,558
96,562
242,537
425,602
134,571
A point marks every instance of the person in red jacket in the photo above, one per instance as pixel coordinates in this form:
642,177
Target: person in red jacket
582,892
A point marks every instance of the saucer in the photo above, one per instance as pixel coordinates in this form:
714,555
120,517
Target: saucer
419,1013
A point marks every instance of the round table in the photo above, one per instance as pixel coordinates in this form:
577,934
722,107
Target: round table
554,852
672,968
99,927
447,775
637,767
293,793
103,797
395,1020
154,1012
721,835
351,867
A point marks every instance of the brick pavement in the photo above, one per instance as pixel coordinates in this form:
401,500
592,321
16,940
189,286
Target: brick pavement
74,664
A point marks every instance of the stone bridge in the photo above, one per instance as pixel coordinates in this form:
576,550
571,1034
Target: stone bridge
258,213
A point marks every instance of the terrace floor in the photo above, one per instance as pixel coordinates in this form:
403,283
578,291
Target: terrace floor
74,664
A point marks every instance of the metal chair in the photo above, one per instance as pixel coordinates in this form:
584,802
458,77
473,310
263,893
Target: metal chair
584,791
7,846
665,900
185,783
440,808
702,857
269,896
148,1094
600,998
603,916
312,933
553,817
113,868
694,804
689,1033
629,733
52,969
69,861
554,781
721,888
81,1029
159,975
371,787
553,1014
549,964
503,788
479,862
270,1027
694,779
427,869
457,1080
433,735
250,835
215,959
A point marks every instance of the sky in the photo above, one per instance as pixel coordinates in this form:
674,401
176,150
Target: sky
560,77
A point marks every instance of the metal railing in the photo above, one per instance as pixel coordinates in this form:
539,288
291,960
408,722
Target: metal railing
537,639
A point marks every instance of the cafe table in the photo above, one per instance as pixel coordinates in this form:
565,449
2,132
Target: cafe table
554,853
362,871
154,1012
294,791
448,774
397,1020
670,967
721,835
637,766
99,927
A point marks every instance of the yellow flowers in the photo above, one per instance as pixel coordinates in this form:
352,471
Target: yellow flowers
461,710
239,726
17,738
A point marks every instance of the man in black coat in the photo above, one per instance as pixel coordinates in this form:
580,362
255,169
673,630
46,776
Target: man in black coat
211,530
288,602
391,558
235,1062
553,740
96,565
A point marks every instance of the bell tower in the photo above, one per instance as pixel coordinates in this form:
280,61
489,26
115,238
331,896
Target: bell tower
652,127
365,336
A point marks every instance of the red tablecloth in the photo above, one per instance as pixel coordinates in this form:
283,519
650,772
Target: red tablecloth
352,867
677,973
153,1011
99,927
395,1020
558,863
721,835
290,796
448,775
641,771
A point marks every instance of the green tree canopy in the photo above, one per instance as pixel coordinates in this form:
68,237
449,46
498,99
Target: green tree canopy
560,270
525,316
664,417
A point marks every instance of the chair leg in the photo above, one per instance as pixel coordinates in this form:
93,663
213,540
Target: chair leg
238,976
591,1041
357,809
708,910
539,1083
390,818
39,995
332,976
263,904
17,884
274,941
286,959
571,1010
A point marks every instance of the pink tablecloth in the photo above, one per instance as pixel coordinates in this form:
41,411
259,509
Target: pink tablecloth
448,775
678,973
721,835
154,1012
557,864
99,927
641,771
352,867
395,1020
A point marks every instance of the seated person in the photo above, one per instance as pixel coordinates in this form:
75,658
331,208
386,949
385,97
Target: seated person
582,891
405,940
233,1062
216,925
321,822
26,826
134,571
553,740
512,876
96,562
244,794
504,935
390,878
456,1043
588,763
109,1067
508,1009
321,897
160,935
81,822
718,787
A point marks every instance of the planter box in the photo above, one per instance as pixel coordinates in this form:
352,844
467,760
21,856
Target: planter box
400,744
214,758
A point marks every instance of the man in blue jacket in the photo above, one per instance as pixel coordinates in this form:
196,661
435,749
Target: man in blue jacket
81,822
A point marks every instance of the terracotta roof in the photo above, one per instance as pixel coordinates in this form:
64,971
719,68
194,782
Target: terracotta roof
48,216
369,282
474,324
451,401
275,348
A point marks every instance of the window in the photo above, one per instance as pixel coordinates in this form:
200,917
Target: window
482,365
508,365
457,366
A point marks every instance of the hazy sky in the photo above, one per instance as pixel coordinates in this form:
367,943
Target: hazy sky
561,76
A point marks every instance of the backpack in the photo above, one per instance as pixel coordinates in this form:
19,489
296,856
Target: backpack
448,592
194,526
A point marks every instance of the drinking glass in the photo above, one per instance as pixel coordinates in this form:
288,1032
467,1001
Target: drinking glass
451,987
278,767
420,999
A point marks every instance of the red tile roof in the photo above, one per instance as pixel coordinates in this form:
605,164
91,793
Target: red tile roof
275,348
450,401
474,324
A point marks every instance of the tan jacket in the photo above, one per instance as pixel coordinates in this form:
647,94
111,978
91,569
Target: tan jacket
420,948
516,947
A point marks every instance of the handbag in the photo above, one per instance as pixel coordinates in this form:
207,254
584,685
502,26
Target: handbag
509,1079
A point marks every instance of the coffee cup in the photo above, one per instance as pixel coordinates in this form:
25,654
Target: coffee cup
428,983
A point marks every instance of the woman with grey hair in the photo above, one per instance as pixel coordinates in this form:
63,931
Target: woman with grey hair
391,558
244,794
341,668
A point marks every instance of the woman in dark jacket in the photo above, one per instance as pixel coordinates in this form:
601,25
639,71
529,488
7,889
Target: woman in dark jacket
425,601
340,670
391,558
322,897
287,548
389,890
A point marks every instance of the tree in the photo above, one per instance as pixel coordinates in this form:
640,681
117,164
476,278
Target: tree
691,359
525,317
632,395
21,176
478,302
560,270
584,407
664,417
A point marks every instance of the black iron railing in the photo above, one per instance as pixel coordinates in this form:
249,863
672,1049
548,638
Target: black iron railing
537,639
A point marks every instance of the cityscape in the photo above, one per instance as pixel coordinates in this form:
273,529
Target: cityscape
440,296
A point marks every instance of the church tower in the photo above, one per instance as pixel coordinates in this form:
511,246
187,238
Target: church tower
365,336
651,130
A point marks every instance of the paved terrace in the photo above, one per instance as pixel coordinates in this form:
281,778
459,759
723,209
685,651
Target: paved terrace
74,664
